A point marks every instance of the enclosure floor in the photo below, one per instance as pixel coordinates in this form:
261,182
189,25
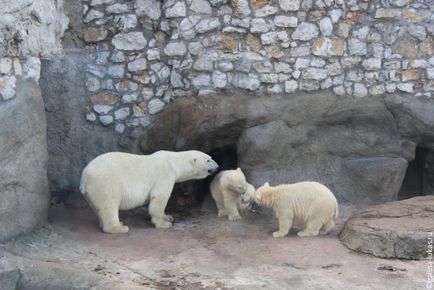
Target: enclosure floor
201,251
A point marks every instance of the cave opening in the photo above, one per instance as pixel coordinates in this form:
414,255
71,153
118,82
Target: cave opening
195,193
419,177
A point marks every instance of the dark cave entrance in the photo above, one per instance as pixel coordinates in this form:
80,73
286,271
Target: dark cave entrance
419,177
196,192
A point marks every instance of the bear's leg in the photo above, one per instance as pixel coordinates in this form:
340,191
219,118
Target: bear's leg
231,208
221,208
325,229
285,224
109,221
312,229
159,198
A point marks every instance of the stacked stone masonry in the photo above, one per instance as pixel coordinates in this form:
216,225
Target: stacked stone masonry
150,52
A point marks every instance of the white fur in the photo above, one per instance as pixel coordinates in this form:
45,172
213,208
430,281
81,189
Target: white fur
226,189
121,181
308,203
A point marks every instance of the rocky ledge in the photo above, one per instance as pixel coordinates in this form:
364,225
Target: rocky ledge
398,229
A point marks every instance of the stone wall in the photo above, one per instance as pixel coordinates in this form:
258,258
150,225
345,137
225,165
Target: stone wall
151,52
29,30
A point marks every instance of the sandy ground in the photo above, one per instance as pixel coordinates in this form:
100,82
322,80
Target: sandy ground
201,251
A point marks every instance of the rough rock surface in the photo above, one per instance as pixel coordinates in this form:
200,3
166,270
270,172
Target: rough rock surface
334,140
31,27
397,229
72,141
24,193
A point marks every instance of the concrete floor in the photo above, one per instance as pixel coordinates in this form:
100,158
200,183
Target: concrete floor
201,251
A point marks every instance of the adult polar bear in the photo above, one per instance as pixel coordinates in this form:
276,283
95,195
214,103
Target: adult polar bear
120,181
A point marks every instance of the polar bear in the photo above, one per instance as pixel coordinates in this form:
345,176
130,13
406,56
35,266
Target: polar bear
120,181
226,188
309,203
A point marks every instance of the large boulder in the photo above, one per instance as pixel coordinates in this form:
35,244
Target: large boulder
24,194
398,229
72,141
359,147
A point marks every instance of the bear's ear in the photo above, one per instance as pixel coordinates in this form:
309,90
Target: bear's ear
266,184
239,169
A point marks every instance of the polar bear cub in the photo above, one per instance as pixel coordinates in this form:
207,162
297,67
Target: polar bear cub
226,189
120,181
309,203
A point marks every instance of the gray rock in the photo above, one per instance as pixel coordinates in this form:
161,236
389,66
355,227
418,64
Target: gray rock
92,84
122,113
5,65
102,109
226,66
219,79
10,279
101,2
259,25
129,98
32,68
396,230
41,37
155,106
326,26
24,193
149,8
204,63
269,78
126,22
334,140
93,14
106,120
201,80
175,49
7,87
291,86
63,86
360,90
372,63
357,47
117,8
91,117
129,41
116,71
282,67
265,11
153,54
314,73
207,24
406,87
176,80
137,65
201,7
285,21
417,31
246,81
177,10
305,31
430,73
97,70
289,5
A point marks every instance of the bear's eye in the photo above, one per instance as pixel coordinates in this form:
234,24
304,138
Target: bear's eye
208,160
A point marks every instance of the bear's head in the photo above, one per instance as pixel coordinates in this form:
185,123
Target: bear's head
236,181
255,195
202,165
